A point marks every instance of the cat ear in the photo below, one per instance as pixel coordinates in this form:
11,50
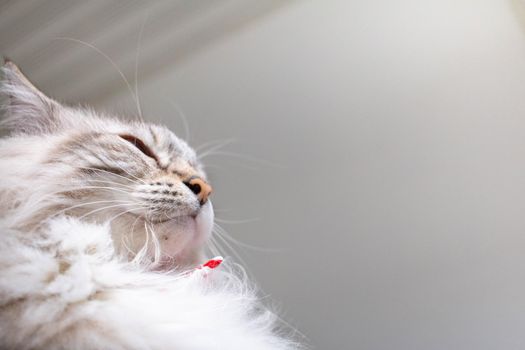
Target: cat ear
27,110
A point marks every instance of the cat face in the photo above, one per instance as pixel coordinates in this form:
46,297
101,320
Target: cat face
141,178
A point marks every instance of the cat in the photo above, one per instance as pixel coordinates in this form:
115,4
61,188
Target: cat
103,222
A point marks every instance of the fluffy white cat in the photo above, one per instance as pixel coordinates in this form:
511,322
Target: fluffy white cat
102,224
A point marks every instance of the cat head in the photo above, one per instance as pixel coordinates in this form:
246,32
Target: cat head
140,177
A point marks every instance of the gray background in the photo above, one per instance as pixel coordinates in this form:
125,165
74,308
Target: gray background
380,146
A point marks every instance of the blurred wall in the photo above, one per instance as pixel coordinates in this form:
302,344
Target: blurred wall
381,147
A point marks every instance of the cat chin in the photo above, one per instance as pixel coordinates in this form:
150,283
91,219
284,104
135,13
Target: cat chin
182,238
204,223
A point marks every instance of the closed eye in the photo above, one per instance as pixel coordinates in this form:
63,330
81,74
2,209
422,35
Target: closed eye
141,146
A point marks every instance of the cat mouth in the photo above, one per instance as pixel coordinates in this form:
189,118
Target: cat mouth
202,220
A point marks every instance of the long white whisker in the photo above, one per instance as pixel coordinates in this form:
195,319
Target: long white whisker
182,116
217,246
125,212
241,156
156,245
230,248
97,188
46,196
130,174
109,172
107,58
137,100
103,208
213,247
90,203
63,210
124,237
203,146
112,183
137,259
226,221
213,149
227,236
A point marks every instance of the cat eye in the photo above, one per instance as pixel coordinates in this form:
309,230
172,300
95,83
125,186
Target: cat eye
141,146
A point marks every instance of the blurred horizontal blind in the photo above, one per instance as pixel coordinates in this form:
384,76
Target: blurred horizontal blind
44,39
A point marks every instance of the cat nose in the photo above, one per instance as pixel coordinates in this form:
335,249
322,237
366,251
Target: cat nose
200,187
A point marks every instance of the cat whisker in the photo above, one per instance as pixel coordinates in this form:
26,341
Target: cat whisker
133,176
109,172
210,147
114,174
141,257
125,212
137,98
100,52
228,237
243,157
230,247
43,198
184,119
91,203
113,183
208,166
125,238
62,211
212,143
106,188
212,241
235,222
161,212
210,246
158,252
56,213
103,208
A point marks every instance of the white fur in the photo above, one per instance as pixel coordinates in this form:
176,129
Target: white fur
65,282
64,289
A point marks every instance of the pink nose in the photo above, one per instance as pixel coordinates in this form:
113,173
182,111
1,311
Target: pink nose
200,187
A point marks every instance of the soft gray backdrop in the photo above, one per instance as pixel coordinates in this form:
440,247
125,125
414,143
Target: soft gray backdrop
379,145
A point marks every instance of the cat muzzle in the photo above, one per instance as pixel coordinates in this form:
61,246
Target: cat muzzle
200,188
